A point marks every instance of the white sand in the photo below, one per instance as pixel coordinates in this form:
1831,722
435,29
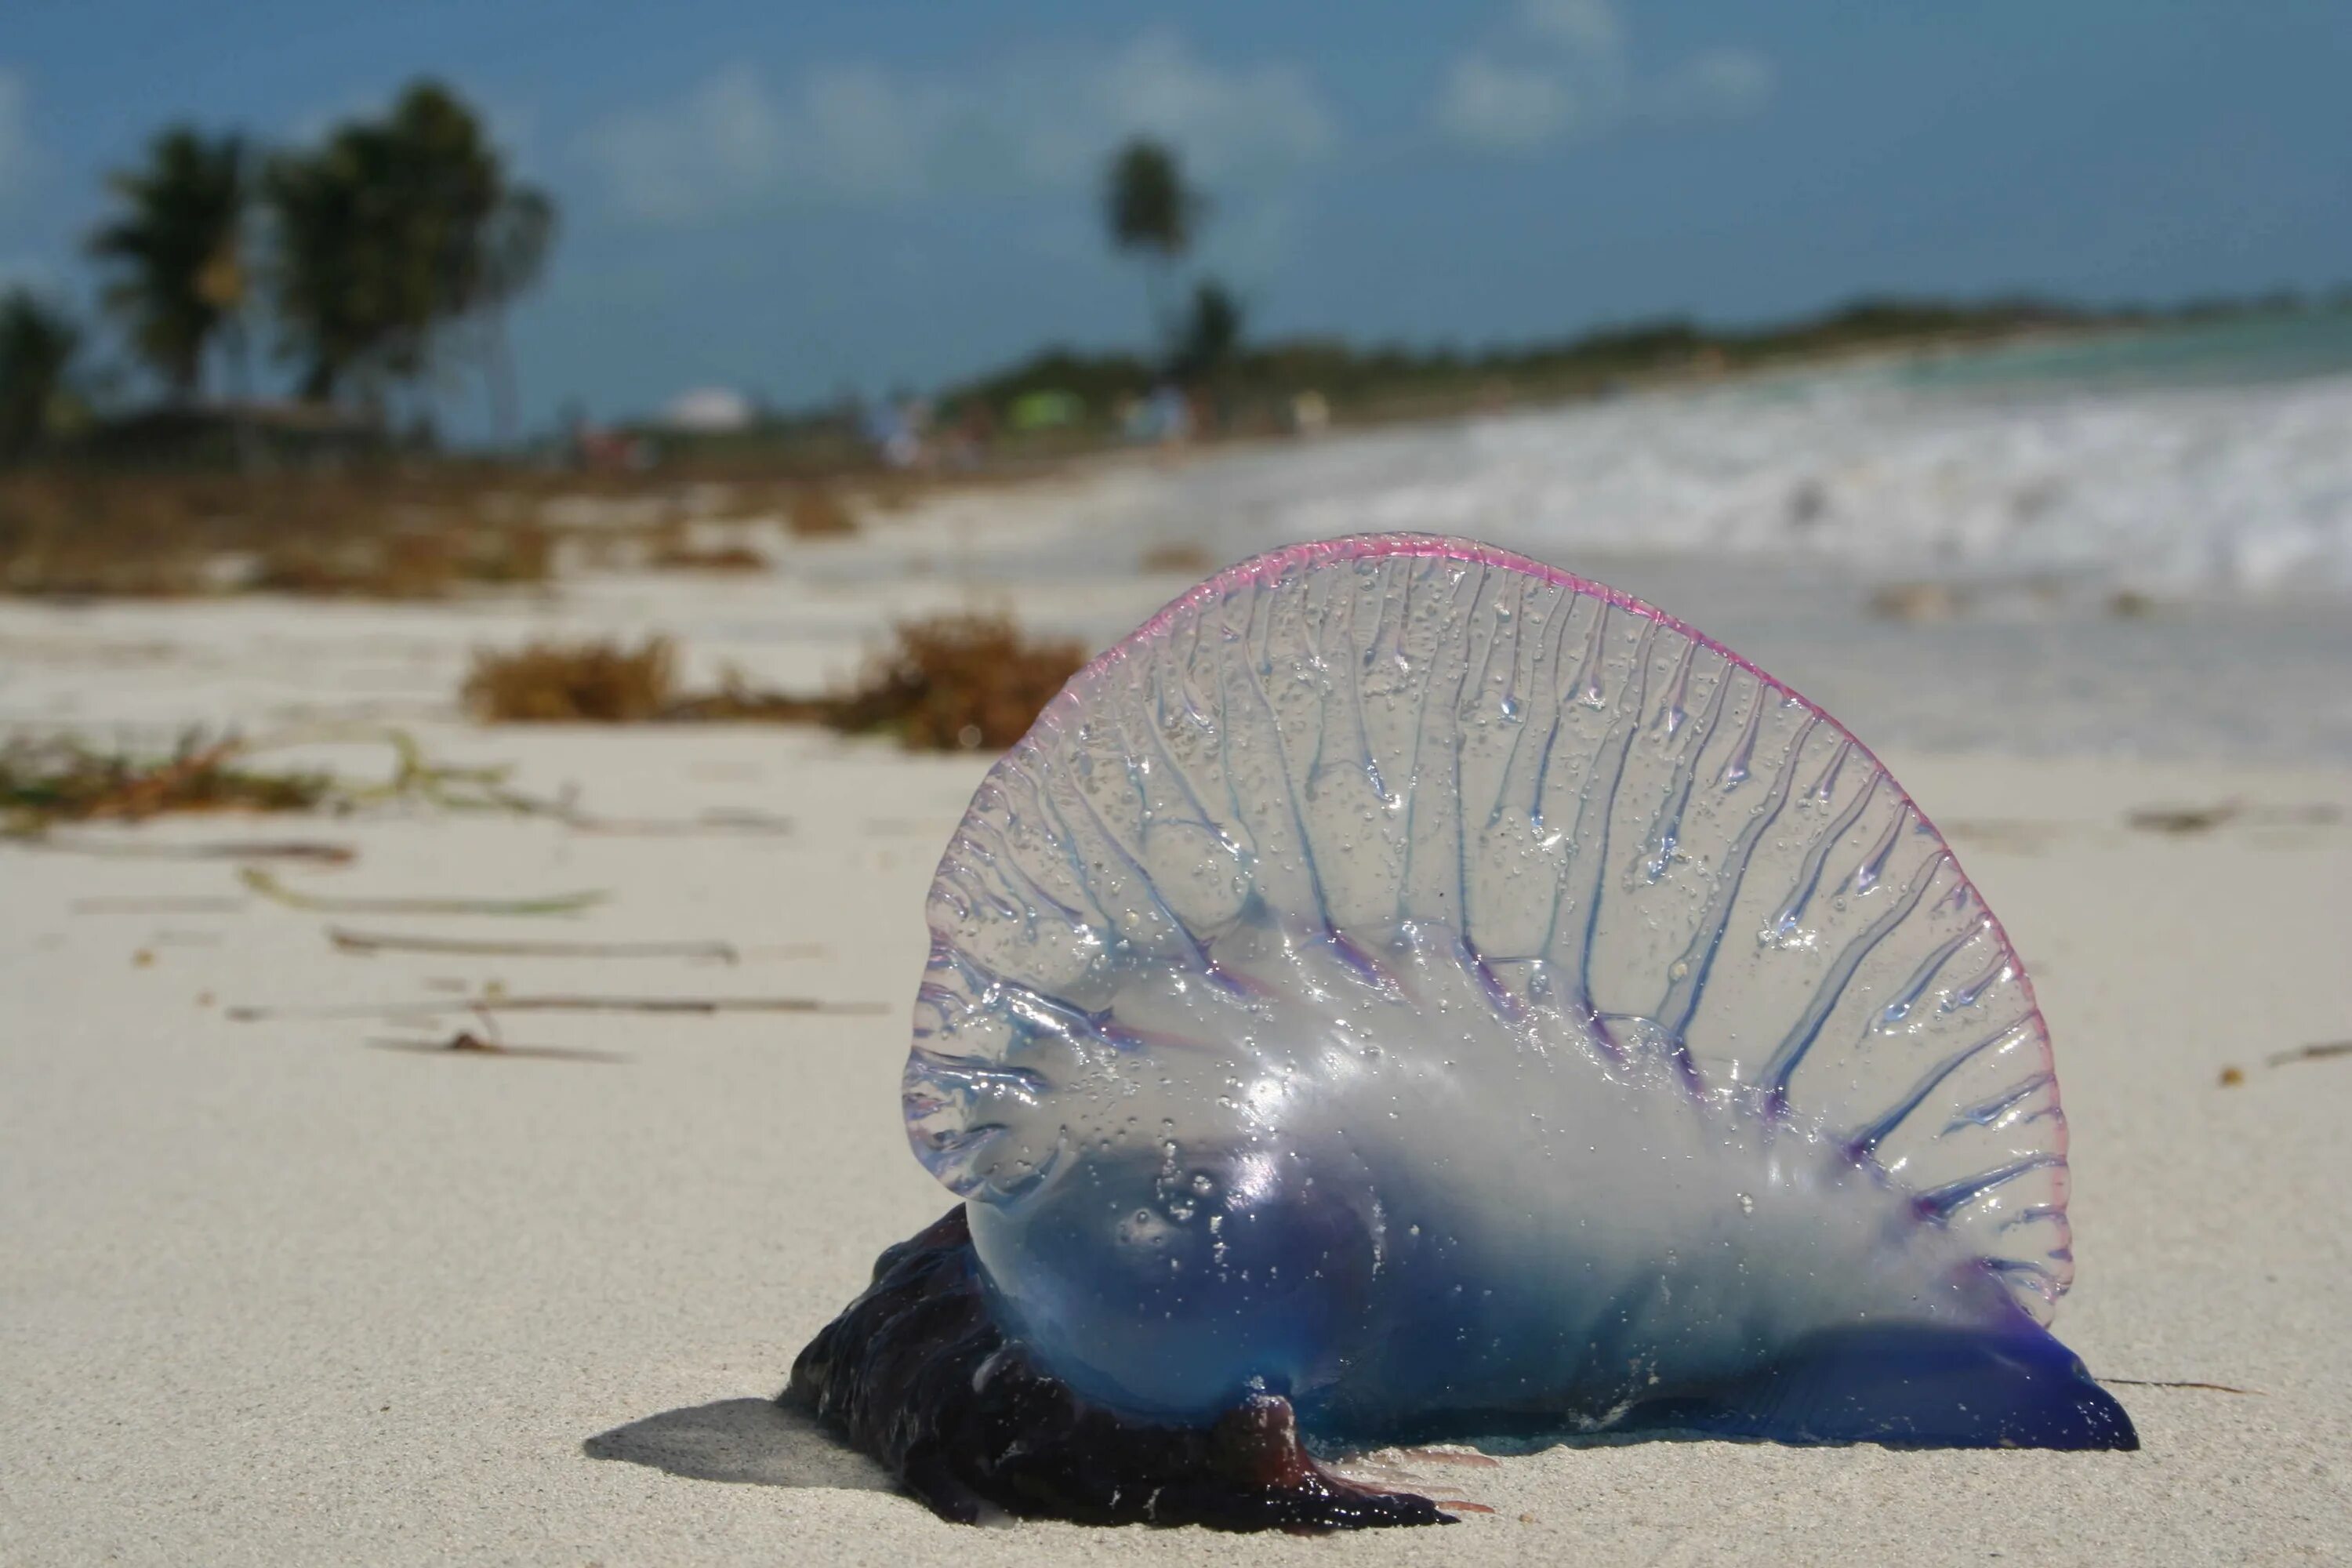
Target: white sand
270,1293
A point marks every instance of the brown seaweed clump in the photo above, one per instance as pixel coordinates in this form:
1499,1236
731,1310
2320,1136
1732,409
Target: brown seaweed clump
63,779
958,683
951,682
573,683
816,512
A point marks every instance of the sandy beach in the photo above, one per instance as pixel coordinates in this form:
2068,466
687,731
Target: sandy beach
284,1282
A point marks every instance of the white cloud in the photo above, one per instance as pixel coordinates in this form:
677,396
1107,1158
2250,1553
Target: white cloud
1721,84
1562,69
16,155
1486,103
1586,27
860,134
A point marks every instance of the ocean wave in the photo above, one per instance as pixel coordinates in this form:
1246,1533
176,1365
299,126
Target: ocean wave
2247,485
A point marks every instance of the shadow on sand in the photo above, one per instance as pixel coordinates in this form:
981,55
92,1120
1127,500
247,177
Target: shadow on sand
753,1441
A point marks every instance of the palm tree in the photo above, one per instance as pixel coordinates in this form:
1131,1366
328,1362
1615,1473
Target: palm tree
328,295
514,245
445,183
1212,332
1150,209
177,247
390,231
38,345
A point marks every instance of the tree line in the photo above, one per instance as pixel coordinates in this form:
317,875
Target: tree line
375,263
1153,211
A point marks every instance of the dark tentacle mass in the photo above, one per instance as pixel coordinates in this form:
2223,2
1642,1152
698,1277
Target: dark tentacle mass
917,1373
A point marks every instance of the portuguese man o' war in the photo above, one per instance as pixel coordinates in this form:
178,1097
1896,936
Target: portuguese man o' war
1406,992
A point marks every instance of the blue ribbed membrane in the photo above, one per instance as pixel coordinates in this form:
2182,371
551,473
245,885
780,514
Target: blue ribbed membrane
1419,981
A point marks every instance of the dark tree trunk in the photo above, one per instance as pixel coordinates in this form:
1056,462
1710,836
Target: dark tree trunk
499,372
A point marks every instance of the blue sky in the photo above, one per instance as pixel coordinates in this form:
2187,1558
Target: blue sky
799,198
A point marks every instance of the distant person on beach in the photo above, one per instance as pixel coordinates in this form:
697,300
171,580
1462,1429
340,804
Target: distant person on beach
1165,418
894,428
